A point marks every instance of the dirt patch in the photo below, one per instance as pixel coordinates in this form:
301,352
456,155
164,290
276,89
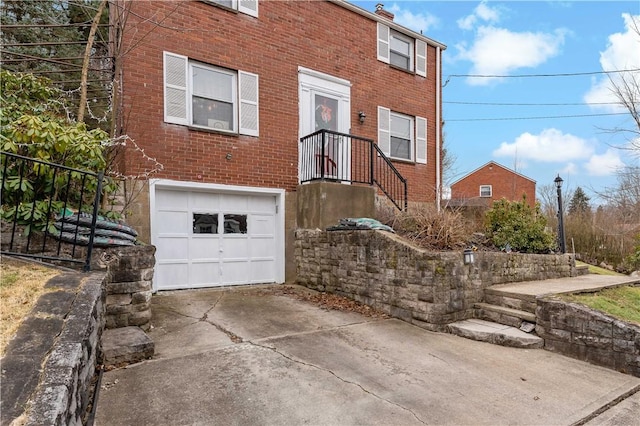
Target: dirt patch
21,284
325,301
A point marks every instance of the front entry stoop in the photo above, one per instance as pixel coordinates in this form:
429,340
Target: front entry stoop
126,345
498,334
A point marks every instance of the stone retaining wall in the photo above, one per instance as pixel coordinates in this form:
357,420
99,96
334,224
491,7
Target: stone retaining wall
429,289
582,333
50,364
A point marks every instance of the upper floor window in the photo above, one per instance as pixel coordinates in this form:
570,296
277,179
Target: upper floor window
485,190
209,97
402,51
250,7
402,136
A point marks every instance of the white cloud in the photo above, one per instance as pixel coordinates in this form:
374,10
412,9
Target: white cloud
551,145
619,55
481,12
605,164
499,51
416,21
571,169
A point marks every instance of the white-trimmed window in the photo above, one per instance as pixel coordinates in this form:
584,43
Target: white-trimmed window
401,50
209,97
401,136
486,190
250,7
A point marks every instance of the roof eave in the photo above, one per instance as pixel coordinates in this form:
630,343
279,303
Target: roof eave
360,11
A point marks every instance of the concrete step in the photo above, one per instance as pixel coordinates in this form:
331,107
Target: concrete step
498,334
503,315
126,345
521,302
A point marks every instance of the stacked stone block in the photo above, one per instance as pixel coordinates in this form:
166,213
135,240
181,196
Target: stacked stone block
128,285
582,333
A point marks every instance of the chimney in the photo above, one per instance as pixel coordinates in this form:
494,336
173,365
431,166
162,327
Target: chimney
384,13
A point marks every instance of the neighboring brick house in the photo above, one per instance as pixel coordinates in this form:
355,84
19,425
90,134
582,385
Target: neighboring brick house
492,182
224,93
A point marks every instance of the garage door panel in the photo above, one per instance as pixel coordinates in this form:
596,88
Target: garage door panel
172,222
235,248
204,273
262,247
235,272
233,203
263,270
204,248
173,200
261,225
204,201
176,249
262,204
171,275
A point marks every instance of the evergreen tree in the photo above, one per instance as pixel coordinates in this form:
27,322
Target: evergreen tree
579,204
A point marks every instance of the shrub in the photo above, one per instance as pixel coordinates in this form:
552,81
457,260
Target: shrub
633,260
517,225
427,227
34,124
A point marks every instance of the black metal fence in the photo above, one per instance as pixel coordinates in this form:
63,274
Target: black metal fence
36,196
339,157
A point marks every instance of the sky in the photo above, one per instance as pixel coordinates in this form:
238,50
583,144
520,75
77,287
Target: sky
520,48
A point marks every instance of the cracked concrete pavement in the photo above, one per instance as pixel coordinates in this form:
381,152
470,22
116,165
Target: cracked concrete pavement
254,355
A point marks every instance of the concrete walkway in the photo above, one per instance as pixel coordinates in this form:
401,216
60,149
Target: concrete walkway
259,356
591,282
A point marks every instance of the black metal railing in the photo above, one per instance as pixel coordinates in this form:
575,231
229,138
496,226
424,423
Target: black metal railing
36,194
339,157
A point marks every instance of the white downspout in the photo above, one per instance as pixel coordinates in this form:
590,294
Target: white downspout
438,129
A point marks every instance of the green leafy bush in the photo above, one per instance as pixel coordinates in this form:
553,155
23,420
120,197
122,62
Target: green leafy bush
517,225
633,260
34,124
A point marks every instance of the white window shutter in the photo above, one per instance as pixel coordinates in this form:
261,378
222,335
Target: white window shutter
421,140
383,43
175,89
248,110
250,7
384,130
421,58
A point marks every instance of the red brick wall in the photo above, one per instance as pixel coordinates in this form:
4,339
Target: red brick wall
313,34
505,184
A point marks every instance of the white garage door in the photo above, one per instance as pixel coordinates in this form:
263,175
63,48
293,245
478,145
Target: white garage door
206,239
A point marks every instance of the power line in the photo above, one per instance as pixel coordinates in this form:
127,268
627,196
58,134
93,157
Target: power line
536,117
531,104
570,74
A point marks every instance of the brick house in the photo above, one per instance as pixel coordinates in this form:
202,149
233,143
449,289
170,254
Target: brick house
490,183
268,116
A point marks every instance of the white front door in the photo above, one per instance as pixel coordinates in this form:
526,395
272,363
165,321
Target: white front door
325,103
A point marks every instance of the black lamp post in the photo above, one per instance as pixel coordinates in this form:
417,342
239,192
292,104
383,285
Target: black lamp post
561,240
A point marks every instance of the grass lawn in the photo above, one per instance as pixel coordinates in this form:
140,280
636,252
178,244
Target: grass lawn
21,284
620,302
597,270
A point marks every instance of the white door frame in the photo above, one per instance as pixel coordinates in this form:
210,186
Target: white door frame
310,83
279,194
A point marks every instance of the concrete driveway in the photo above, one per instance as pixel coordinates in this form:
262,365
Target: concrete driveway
259,356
